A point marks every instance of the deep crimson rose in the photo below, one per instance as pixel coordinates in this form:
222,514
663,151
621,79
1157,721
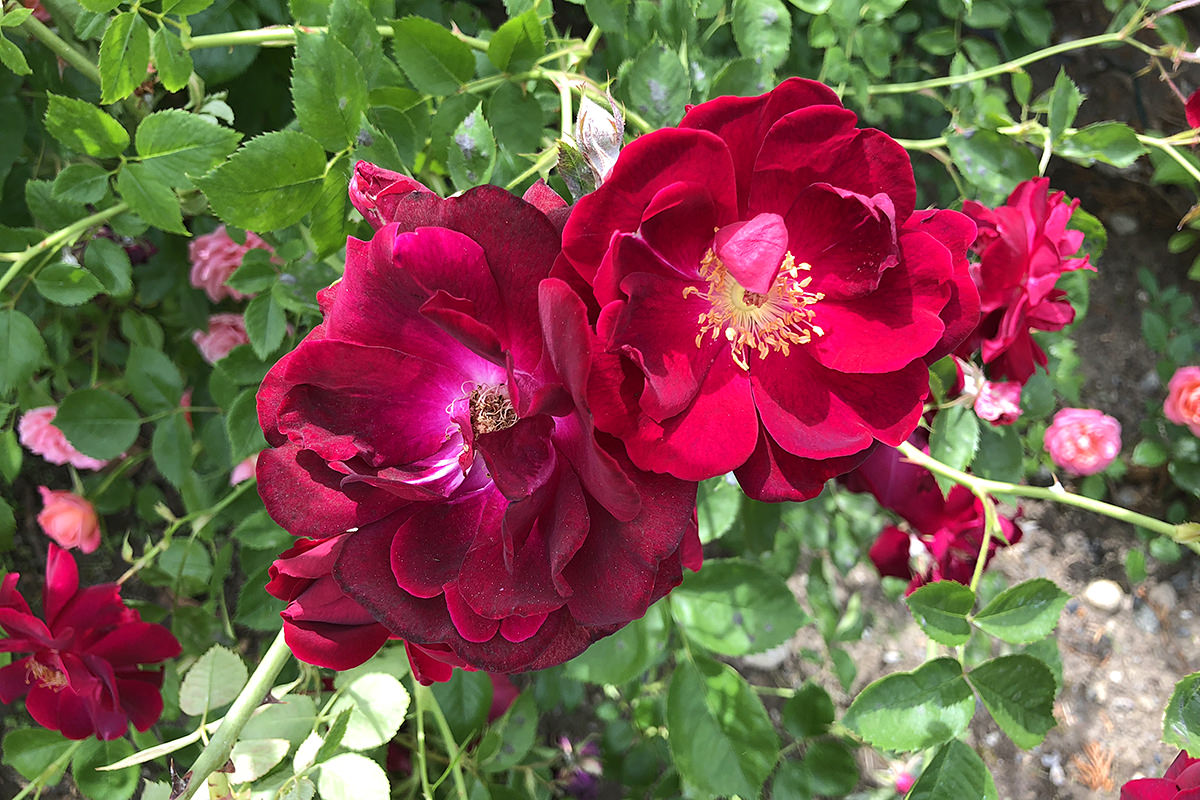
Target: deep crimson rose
437,416
1192,109
82,676
1023,247
1181,781
765,297
943,535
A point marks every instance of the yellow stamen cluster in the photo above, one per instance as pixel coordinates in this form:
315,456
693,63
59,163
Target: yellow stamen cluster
47,677
750,320
491,409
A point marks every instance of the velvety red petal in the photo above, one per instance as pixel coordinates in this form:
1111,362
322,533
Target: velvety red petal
136,643
471,626
12,680
10,596
518,629
430,544
426,667
1149,789
520,458
753,249
678,225
1192,109
961,314
62,582
141,701
772,474
327,644
22,629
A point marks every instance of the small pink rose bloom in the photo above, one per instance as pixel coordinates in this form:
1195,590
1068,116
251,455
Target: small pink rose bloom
225,332
215,257
999,403
244,470
1182,405
1181,781
39,436
69,520
904,782
1083,441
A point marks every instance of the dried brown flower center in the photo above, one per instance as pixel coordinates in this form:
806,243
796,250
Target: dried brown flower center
491,409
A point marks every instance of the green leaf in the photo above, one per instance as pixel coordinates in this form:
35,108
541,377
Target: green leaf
100,6
809,712
214,680
516,730
377,704
172,63
1111,142
109,262
253,758
432,57
150,198
1150,453
8,520
11,456
291,720
270,183
734,607
22,350
329,228
1065,99
241,423
171,448
350,776
941,610
658,85
465,700
1001,455
608,15
621,657
762,30
84,128
830,767
12,58
472,153
80,183
266,325
328,90
910,710
154,380
1023,613
1018,691
118,784
721,737
174,144
717,505
124,56
30,751
954,439
67,284
1181,720
518,43
955,772
991,161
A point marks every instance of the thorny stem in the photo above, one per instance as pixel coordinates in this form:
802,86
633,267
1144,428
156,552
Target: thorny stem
1184,533
216,753
60,237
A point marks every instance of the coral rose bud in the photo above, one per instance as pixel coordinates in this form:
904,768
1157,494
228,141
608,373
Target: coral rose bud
1083,441
225,332
1182,405
215,256
69,520
38,434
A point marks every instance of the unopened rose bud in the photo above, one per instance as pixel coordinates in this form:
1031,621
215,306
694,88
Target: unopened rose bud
69,520
599,135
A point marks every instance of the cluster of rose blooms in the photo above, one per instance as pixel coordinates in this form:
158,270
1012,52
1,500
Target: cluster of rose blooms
491,444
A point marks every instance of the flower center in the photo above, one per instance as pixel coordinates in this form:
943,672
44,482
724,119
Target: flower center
755,321
47,677
491,409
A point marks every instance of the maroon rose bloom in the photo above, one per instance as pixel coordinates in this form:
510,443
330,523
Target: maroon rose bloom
765,297
1181,781
83,674
1023,247
436,423
944,534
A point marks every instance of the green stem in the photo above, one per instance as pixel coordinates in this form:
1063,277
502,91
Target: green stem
980,486
272,36
991,524
216,753
443,727
59,238
1006,67
1169,149
547,159
421,694
62,49
55,767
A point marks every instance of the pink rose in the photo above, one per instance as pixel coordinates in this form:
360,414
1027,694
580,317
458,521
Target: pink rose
1182,405
41,437
1083,441
69,520
243,471
214,258
225,332
999,403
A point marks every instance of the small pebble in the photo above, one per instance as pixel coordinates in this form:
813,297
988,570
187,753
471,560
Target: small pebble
1163,597
1104,594
1145,618
1122,224
891,656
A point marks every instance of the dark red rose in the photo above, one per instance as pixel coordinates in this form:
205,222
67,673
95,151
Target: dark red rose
1192,109
1023,247
765,297
437,419
83,674
1181,781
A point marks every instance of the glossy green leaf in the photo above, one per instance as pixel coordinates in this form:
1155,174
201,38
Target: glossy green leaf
266,324
518,43
432,57
1181,720
150,198
22,349
109,262
991,161
609,16
1023,613
329,90
1018,690
956,771
658,85
941,610
735,607
118,784
154,380
1111,142
174,144
910,710
99,423
31,751
1065,99
84,128
270,183
717,505
172,62
954,439
623,656
67,284
516,730
721,737
241,423
124,56
81,183
329,227
171,447
213,681
253,758
465,700
12,58
472,151
809,712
